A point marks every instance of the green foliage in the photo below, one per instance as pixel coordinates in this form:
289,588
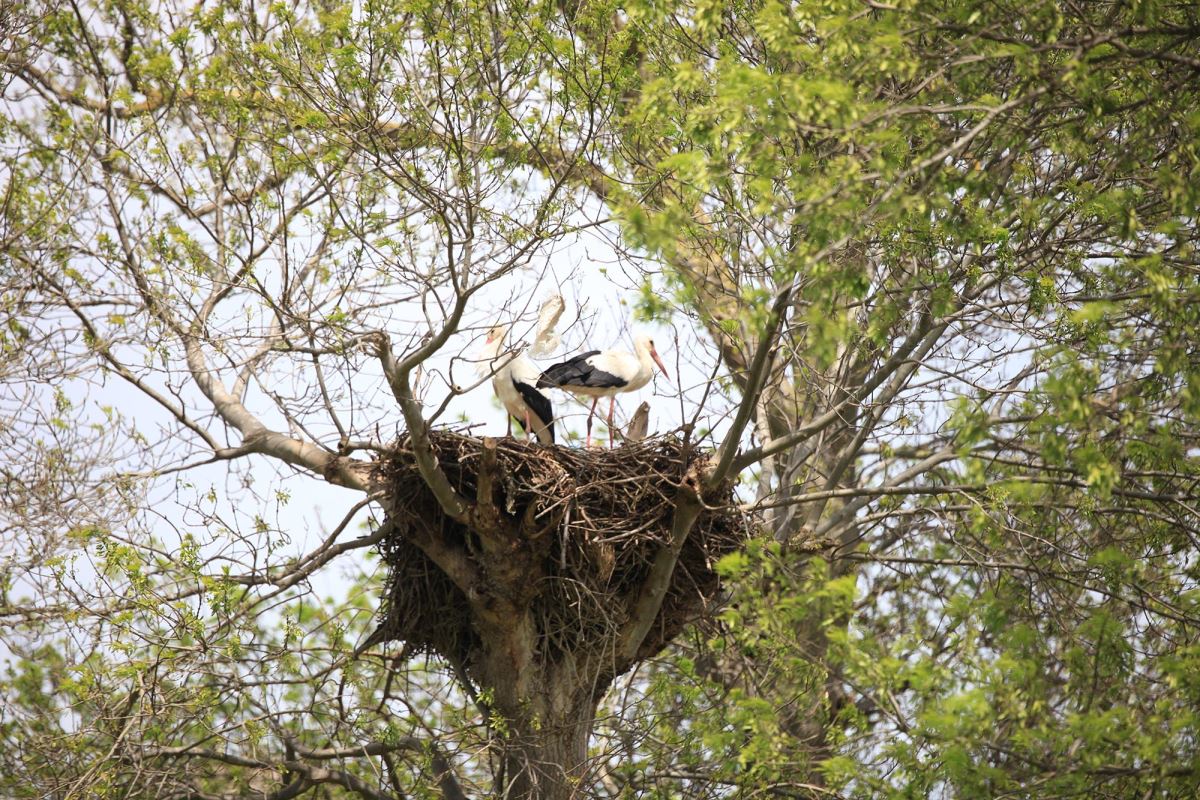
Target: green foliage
1029,640
979,579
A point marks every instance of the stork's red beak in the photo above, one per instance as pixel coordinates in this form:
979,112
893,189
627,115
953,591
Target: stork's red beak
657,360
491,337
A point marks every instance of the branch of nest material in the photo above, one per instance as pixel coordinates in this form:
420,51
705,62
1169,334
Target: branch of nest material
688,505
452,561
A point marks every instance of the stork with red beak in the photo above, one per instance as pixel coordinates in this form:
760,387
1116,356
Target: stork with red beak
605,373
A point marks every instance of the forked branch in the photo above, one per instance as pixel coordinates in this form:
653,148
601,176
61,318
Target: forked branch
399,378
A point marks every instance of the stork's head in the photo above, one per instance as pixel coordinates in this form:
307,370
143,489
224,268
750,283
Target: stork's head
496,333
645,344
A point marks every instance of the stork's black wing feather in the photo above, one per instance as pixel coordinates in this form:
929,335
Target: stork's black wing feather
539,404
577,372
566,372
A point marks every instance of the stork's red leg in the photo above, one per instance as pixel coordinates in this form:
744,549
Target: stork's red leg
528,426
612,406
588,441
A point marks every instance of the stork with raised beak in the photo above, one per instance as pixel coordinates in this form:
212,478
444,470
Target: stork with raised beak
514,376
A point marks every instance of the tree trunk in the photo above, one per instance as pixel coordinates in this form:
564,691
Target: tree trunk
546,758
543,711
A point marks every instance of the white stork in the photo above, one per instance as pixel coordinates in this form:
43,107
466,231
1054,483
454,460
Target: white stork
605,373
514,376
514,379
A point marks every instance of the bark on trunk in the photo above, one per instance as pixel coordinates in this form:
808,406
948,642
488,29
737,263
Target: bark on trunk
547,759
545,711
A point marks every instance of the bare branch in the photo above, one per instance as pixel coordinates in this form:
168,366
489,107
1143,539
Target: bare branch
645,609
398,376
754,382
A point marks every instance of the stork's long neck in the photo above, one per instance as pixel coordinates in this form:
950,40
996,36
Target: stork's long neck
645,364
489,354
490,358
643,354
491,349
501,358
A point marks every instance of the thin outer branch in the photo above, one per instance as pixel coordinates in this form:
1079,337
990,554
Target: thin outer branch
442,771
198,213
294,574
105,352
324,553
44,83
850,509
308,773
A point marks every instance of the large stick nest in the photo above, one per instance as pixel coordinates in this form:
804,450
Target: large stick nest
588,523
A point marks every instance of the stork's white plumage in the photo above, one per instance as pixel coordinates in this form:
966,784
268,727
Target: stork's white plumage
514,376
605,373
514,379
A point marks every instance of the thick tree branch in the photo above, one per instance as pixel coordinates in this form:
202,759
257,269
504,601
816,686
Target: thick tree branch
924,334
850,452
258,438
398,374
759,368
688,505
